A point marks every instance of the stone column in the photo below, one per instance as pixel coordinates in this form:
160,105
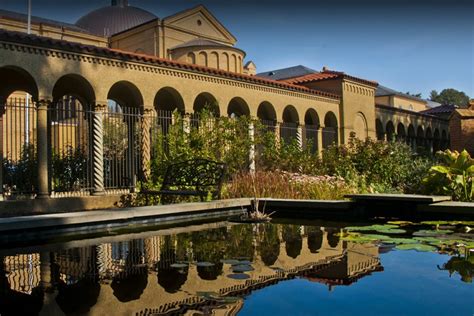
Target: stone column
97,140
146,143
42,149
320,141
299,136
131,159
2,113
252,148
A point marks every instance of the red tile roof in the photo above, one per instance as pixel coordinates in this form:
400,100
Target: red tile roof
23,38
327,75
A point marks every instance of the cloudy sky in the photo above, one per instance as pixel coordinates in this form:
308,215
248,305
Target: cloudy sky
415,46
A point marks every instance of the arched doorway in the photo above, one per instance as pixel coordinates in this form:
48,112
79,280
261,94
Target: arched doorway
401,134
420,137
330,134
122,136
390,131
436,141
206,102
18,94
289,127
411,139
379,130
429,140
71,117
311,126
267,115
238,107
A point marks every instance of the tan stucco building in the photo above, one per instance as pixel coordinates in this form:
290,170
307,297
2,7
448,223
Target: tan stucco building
184,62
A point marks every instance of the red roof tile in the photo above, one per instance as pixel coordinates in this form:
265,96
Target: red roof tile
327,75
23,38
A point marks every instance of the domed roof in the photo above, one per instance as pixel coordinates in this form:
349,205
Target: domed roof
111,20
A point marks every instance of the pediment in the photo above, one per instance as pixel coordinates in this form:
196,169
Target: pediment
200,22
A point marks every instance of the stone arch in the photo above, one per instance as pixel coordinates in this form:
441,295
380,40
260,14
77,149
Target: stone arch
240,64
311,122
436,140
238,107
76,86
379,130
289,126
401,133
169,99
429,139
267,115
214,60
390,131
360,126
411,138
126,94
17,79
444,140
226,61
202,59
330,133
191,58
420,137
205,100
233,63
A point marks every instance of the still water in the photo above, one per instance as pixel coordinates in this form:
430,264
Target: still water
223,268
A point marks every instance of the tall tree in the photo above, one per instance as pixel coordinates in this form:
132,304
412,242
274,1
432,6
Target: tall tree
417,95
450,96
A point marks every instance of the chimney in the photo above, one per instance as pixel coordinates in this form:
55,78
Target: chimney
120,3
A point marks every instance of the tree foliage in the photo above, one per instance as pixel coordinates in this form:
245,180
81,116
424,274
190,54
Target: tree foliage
450,96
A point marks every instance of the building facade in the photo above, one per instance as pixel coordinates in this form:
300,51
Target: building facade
145,64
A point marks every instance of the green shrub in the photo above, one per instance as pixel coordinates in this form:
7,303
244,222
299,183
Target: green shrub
21,176
454,177
69,169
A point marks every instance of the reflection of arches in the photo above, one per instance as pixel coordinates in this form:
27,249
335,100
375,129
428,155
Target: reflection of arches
311,121
169,99
293,241
315,239
206,101
401,134
390,131
171,279
330,130
76,86
269,248
238,107
333,238
360,126
17,79
379,130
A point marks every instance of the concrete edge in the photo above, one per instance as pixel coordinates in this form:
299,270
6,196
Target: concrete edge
402,198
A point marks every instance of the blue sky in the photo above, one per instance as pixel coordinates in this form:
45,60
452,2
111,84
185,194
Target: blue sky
415,46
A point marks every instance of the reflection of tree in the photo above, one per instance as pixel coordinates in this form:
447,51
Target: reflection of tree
209,246
293,240
315,238
462,265
171,279
16,303
269,246
333,238
240,242
130,283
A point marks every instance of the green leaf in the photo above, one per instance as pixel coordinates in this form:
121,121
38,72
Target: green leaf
417,247
440,169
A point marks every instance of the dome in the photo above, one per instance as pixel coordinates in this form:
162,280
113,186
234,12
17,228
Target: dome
114,19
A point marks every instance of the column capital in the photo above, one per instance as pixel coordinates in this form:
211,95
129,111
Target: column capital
148,111
43,103
100,107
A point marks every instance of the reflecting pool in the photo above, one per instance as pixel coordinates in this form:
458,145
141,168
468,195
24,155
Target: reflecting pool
224,268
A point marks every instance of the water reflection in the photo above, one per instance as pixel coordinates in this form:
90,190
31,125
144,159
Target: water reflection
178,272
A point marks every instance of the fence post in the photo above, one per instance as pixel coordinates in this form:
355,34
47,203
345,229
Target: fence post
146,143
43,149
252,148
2,112
299,136
320,141
98,149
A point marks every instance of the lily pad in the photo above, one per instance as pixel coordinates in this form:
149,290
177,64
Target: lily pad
242,268
427,233
238,276
376,227
398,223
178,265
466,223
230,261
399,241
429,240
417,247
205,264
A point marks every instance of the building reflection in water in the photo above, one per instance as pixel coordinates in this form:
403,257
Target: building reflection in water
162,273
